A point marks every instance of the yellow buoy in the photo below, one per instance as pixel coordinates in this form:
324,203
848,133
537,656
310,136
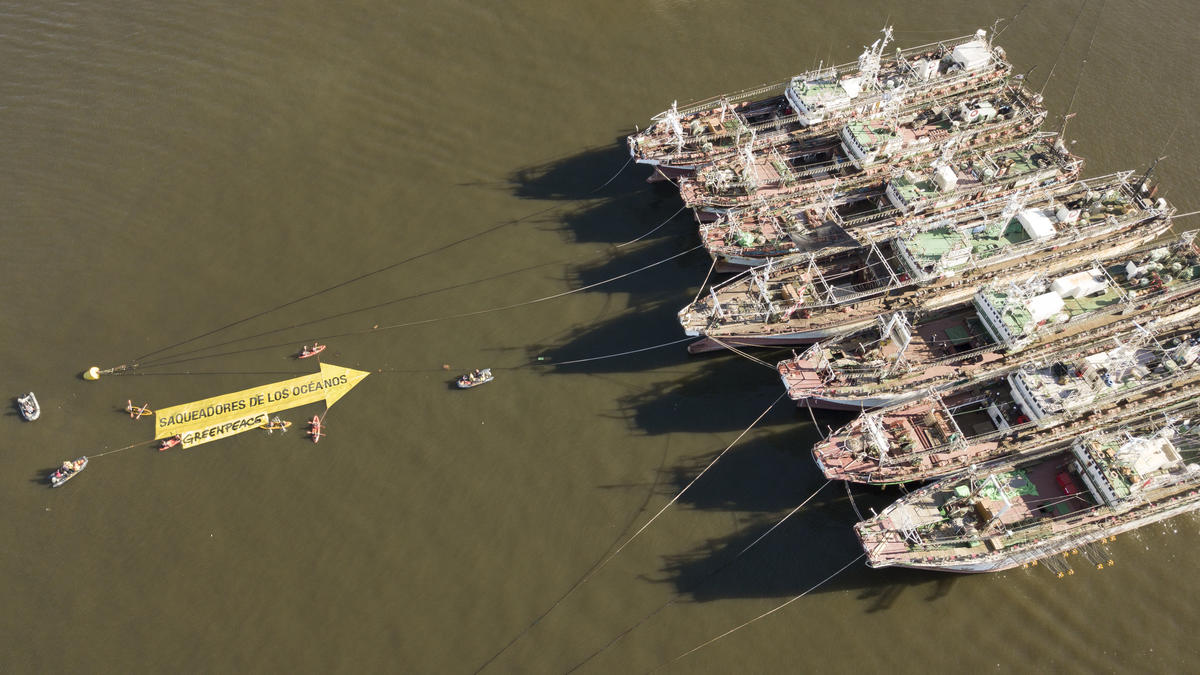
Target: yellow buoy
92,373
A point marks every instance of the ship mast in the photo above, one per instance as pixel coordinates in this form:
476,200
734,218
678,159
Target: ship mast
897,329
869,60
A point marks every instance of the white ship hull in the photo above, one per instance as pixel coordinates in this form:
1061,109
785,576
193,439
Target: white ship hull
855,403
708,344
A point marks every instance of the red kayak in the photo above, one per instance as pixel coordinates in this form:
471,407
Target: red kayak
169,443
314,429
307,351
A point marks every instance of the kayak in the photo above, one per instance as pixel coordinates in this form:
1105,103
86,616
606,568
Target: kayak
314,429
281,425
307,351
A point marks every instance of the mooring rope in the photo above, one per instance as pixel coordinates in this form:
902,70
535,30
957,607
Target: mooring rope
711,267
349,312
596,569
741,353
808,404
516,638
609,356
1064,46
366,275
420,322
1083,65
1011,21
764,614
853,504
110,452
355,279
693,481
656,229
614,176
784,519
694,588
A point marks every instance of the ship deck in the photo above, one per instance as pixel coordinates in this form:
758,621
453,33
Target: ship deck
859,362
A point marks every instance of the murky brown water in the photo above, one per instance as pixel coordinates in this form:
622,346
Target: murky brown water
170,170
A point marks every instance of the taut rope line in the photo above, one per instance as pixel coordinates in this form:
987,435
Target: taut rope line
421,322
656,229
702,581
764,614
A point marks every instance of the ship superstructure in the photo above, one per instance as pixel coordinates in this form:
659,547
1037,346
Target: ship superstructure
1017,410
1004,327
811,297
900,357
1011,513
816,103
854,163
836,219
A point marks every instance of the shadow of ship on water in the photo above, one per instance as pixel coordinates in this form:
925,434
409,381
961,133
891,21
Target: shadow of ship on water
624,209
654,212
582,175
761,481
714,392
764,476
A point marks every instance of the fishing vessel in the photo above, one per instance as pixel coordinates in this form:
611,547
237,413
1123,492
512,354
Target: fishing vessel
475,378
816,103
67,471
905,354
811,297
854,163
29,407
1012,513
1018,410
849,219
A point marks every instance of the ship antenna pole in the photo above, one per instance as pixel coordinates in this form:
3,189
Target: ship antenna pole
1146,176
1137,189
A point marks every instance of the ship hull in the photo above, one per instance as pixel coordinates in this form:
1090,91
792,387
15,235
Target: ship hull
727,264
832,400
1064,542
666,173
804,337
943,298
854,403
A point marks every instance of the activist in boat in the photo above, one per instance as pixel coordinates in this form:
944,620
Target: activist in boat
67,471
314,429
29,407
276,424
306,351
136,412
475,378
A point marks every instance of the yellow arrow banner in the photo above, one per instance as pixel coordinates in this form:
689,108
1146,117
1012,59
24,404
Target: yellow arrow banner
329,385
